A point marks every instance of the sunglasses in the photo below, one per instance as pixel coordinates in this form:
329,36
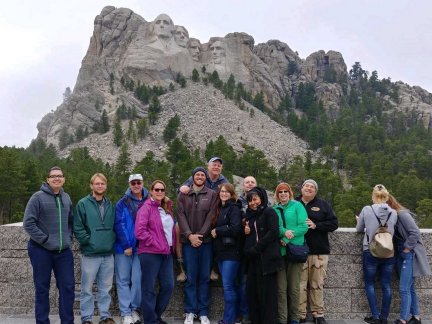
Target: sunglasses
136,183
159,189
56,176
283,191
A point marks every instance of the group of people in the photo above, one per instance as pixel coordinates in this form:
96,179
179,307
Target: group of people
249,240
406,253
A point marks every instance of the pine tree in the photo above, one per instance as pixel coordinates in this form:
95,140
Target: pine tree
171,128
195,75
118,133
142,128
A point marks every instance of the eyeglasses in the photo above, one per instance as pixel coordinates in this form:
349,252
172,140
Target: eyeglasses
56,176
136,183
283,191
159,189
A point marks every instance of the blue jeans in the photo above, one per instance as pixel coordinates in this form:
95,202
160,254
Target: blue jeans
242,308
408,296
128,282
156,267
384,267
229,270
44,262
198,263
101,269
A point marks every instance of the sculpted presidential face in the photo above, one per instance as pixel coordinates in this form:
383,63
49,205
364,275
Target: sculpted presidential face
194,49
217,50
181,36
163,26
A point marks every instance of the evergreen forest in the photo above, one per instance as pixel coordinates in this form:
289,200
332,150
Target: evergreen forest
365,143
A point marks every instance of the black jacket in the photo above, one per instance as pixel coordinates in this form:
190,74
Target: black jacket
320,212
228,228
263,242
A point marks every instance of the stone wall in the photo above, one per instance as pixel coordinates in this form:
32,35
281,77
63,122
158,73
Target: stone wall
344,294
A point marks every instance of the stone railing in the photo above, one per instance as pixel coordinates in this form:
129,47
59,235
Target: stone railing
344,293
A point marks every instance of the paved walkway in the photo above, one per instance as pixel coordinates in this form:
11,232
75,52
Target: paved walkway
29,319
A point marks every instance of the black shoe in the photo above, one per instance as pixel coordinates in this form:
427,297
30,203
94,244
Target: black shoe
383,320
320,320
303,320
398,321
414,320
372,320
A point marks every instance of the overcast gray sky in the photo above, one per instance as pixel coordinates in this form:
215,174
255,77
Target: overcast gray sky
43,42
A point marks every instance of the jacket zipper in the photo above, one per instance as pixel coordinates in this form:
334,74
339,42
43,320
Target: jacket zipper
60,222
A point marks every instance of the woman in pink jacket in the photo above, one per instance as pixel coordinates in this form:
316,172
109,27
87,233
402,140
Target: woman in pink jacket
154,230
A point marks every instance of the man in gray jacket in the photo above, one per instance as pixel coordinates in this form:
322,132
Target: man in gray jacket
48,221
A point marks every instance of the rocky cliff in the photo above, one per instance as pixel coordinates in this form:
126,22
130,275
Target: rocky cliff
124,46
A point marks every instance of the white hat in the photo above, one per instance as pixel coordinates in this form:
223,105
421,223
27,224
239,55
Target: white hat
136,176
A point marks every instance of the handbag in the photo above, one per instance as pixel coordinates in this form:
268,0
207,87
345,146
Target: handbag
295,253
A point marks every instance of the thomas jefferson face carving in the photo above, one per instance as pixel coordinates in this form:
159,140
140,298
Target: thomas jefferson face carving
194,49
181,36
217,50
163,26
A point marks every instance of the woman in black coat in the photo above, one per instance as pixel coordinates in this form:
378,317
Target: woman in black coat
263,257
226,246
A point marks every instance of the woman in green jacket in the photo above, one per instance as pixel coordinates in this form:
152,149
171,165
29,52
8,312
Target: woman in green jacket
292,228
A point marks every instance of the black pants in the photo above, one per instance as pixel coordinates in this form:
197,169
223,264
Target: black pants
261,293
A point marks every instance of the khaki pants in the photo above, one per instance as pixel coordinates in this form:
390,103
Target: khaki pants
288,280
312,285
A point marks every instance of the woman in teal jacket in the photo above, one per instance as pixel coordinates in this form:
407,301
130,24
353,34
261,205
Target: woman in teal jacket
292,228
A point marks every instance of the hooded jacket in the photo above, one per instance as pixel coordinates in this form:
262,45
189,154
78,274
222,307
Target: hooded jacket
124,226
94,233
149,229
213,185
194,213
48,219
368,223
263,240
228,224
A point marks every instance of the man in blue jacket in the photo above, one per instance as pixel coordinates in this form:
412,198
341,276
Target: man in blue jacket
127,264
48,221
94,230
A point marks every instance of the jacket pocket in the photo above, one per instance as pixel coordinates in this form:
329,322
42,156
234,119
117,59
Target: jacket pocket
102,240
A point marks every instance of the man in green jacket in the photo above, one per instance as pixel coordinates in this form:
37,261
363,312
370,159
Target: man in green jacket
94,230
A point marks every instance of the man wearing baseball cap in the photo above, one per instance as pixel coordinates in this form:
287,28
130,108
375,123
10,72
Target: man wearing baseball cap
127,265
321,220
214,176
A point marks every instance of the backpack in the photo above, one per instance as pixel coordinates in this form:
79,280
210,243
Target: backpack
381,245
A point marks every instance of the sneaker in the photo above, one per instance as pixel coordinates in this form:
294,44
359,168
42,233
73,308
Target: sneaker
189,318
398,321
204,319
181,277
371,320
107,320
127,320
320,320
136,317
214,276
414,320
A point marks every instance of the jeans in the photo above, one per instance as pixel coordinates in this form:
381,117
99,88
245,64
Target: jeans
44,262
156,267
242,308
128,282
101,269
229,270
198,263
407,293
384,267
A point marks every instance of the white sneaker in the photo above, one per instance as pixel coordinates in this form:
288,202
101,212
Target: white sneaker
136,317
189,318
204,320
127,320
